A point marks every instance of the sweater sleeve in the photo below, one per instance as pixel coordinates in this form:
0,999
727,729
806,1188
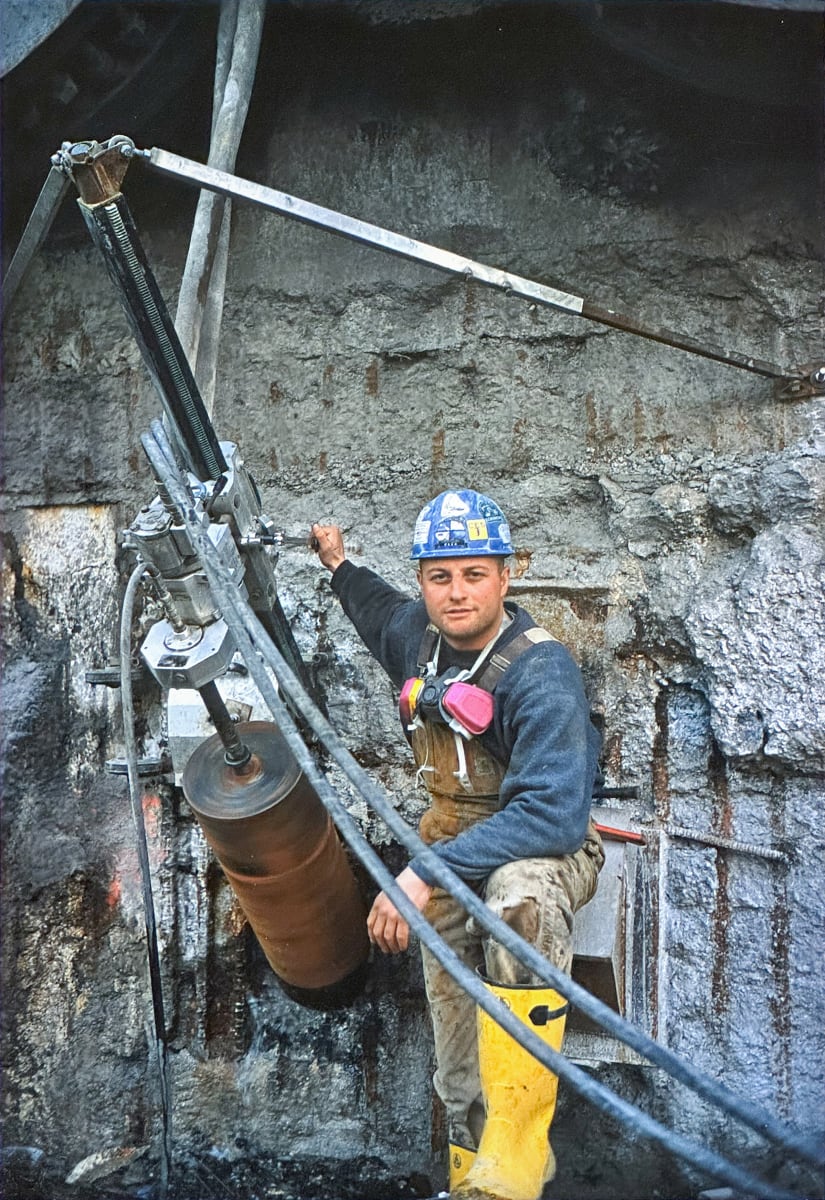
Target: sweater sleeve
384,617
543,716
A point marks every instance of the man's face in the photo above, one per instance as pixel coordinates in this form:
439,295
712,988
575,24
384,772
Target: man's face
464,597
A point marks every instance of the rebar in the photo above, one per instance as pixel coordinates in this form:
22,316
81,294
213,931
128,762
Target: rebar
724,843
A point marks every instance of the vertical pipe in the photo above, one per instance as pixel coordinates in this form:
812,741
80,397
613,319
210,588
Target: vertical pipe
200,302
237,755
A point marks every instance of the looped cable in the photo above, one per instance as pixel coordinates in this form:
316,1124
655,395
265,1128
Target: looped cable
258,652
135,794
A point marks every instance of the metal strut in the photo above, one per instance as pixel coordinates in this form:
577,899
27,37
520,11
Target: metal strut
797,382
792,383
113,232
39,223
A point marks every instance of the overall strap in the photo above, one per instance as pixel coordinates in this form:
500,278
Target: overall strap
500,660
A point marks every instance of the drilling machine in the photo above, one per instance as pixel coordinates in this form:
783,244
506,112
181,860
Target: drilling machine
268,828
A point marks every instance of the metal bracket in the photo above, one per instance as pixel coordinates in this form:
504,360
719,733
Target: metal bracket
807,382
97,168
110,676
146,767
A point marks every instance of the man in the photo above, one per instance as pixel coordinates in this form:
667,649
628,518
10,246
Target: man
495,712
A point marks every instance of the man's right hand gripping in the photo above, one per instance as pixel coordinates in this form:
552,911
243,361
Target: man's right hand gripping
329,544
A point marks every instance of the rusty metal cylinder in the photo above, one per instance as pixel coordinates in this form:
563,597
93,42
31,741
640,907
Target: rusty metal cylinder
281,854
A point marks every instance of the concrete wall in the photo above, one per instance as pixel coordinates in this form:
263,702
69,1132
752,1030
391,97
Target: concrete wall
667,513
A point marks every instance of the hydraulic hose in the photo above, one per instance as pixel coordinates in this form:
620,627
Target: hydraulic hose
257,649
599,1095
128,710
254,647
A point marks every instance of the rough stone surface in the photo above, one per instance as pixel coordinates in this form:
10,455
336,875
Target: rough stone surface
667,514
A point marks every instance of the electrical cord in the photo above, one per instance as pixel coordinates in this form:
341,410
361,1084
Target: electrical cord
253,642
128,709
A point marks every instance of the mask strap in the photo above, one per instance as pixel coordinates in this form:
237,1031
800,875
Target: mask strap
479,662
425,766
431,669
461,774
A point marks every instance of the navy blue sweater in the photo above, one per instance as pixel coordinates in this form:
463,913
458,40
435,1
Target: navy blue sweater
541,730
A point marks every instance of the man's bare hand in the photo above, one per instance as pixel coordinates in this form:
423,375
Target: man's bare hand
386,927
329,543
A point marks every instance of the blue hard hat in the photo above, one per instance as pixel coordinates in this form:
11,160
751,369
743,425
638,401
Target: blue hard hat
462,523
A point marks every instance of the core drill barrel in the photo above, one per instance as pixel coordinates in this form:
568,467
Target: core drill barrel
280,851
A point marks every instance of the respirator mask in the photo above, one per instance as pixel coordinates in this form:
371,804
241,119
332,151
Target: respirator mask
466,708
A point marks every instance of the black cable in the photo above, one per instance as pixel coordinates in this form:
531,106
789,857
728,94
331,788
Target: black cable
259,646
128,710
715,1165
600,1096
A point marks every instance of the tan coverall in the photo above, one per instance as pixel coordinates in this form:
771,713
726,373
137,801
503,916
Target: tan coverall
537,897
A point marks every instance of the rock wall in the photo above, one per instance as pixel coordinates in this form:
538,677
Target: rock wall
667,513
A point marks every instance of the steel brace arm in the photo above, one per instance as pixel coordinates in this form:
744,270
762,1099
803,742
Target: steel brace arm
793,383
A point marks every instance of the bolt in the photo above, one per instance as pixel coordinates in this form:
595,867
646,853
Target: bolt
818,376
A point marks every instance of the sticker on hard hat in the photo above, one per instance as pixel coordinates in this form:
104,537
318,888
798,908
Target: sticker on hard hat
453,506
422,530
477,530
454,535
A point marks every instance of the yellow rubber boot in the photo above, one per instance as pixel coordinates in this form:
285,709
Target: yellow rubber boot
461,1159
514,1158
